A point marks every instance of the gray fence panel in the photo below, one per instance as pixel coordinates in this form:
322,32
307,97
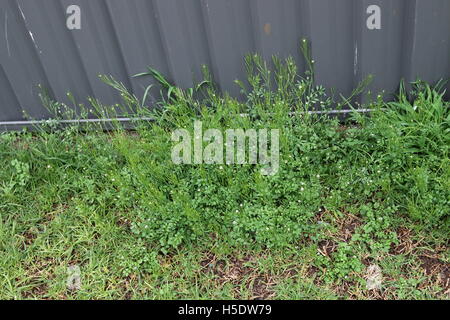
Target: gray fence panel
334,41
124,37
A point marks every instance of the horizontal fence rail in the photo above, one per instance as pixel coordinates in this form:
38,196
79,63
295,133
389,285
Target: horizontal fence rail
65,44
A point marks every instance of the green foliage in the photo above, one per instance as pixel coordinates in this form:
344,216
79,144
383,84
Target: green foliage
383,168
137,258
413,137
387,158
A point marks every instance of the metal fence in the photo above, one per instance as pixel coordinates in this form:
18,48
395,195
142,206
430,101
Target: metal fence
40,43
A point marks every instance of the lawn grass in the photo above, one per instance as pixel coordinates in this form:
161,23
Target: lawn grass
351,195
39,244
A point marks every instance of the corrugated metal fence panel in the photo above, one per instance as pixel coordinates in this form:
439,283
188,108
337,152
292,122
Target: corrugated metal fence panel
123,37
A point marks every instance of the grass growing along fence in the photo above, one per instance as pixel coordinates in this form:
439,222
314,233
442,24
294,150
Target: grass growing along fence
370,190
